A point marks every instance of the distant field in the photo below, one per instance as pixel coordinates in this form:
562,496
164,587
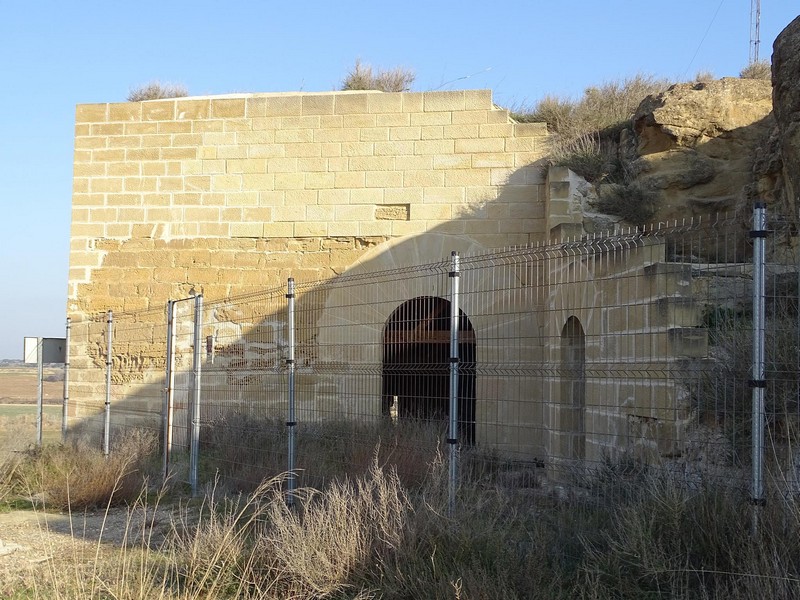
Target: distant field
15,411
18,425
18,385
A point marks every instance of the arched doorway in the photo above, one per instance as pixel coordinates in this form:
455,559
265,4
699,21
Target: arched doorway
416,364
573,387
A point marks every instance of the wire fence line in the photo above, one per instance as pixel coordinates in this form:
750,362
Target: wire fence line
538,367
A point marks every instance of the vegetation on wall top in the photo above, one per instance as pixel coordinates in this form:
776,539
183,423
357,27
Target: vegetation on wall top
155,90
363,77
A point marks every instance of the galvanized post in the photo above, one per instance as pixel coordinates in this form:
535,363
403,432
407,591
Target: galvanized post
195,443
452,440
169,381
109,362
65,405
758,381
39,389
291,422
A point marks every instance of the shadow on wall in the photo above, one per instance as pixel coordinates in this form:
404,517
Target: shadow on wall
396,293
372,343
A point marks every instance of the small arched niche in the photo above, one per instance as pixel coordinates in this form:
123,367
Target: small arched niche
416,365
573,387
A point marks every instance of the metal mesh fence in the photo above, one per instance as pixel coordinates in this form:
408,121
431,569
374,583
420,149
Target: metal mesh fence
572,359
117,360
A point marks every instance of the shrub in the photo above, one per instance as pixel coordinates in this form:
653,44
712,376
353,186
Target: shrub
704,77
723,395
362,77
552,110
77,476
635,202
600,107
586,131
592,157
156,90
760,69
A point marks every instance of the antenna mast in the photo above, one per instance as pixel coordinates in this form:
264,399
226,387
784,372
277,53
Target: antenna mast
755,29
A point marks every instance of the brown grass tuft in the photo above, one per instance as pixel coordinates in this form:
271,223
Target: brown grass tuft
363,77
155,90
77,476
761,69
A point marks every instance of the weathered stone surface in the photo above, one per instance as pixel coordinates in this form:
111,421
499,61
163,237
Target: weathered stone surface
696,144
786,101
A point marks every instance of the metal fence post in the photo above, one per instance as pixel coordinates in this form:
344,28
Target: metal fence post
169,386
758,381
195,441
39,390
452,440
109,362
65,405
291,422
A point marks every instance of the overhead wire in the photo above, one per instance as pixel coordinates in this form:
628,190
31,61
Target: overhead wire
705,35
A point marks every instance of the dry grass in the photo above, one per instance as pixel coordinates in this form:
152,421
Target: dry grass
761,69
364,77
78,476
585,131
244,449
155,90
627,531
337,535
600,107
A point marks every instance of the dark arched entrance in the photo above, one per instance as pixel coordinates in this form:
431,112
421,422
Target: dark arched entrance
416,364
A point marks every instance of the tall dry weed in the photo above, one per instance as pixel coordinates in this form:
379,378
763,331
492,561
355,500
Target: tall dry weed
338,535
364,77
585,132
78,476
156,90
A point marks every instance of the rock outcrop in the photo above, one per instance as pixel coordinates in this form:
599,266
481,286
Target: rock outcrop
707,148
695,145
786,103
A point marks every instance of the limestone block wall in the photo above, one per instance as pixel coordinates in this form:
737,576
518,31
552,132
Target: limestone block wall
278,182
640,322
225,195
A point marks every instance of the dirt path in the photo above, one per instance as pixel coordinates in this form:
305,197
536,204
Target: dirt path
35,544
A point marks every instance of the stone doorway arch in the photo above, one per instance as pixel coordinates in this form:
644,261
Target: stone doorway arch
416,364
573,387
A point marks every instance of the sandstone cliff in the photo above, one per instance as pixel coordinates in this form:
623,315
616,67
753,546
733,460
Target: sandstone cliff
695,144
715,147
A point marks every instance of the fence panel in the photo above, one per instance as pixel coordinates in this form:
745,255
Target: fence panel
243,389
620,354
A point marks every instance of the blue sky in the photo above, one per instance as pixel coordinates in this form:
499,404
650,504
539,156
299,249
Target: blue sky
59,54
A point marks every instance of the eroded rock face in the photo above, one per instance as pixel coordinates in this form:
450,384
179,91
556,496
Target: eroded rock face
696,144
786,102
